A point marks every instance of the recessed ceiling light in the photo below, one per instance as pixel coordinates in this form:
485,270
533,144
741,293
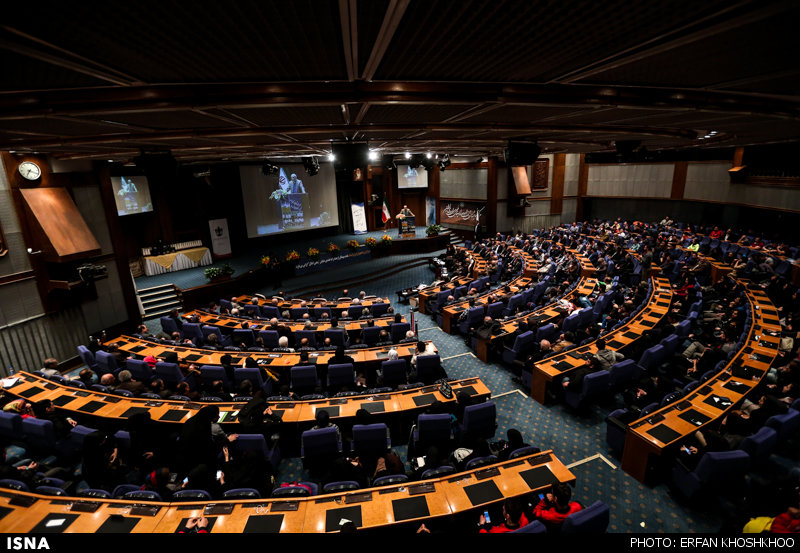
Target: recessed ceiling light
408,155
331,157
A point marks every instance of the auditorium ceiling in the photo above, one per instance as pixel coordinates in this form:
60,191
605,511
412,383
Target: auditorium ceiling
253,79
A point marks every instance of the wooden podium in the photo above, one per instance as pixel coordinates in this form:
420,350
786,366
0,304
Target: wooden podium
407,226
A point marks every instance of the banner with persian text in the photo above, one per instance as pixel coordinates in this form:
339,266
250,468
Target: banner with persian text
461,213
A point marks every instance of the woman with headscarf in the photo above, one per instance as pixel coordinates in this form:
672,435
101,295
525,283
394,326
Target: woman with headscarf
514,443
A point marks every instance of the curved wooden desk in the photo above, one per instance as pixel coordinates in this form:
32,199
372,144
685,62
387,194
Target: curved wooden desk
86,403
650,436
369,508
543,315
657,307
228,322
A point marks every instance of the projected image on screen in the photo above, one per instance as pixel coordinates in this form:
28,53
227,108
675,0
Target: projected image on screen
411,177
288,201
132,195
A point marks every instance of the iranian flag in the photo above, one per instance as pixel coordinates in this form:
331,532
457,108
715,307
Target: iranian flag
385,216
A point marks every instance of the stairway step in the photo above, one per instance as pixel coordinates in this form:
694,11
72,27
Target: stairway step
161,304
159,287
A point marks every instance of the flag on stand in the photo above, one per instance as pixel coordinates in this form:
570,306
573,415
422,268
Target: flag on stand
385,216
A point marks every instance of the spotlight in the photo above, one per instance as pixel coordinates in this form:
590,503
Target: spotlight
270,168
408,155
428,155
372,155
444,163
331,157
311,165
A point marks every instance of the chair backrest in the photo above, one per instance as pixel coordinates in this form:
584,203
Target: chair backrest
759,446
523,342
169,325
193,331
146,495
371,334
428,367
255,443
389,480
480,420
39,433
341,375
394,372
269,337
591,520
169,372
303,377
370,438
379,309
87,357
106,363
322,441
297,312
139,370
191,495
535,527
242,493
10,425
495,310
243,335
398,331
546,332
336,335
310,334
253,374
480,462
434,429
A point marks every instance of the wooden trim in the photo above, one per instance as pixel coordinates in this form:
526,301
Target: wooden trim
17,277
679,180
557,190
465,200
583,183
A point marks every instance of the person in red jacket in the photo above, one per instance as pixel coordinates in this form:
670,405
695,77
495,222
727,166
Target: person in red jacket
513,517
556,506
787,523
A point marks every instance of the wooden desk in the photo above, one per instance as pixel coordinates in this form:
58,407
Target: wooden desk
25,519
564,363
310,304
647,438
376,507
228,322
80,404
545,315
451,313
429,294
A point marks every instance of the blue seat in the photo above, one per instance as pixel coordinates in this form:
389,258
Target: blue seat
523,451
535,527
319,447
546,332
480,462
397,331
341,376
122,489
87,357
389,480
50,490
170,373
139,370
428,367
241,493
297,312
253,374
12,484
394,372
194,332
39,434
480,420
523,344
571,323
303,379
304,490
760,445
431,430
208,330
95,493
371,335
210,373
652,358
495,310
785,425
591,520
10,425
269,337
143,495
243,335
594,385
717,472
622,374
191,495
251,310
106,363
270,312
311,335
370,440
473,320
336,335
379,309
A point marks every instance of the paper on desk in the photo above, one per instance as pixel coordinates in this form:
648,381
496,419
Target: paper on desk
8,382
55,522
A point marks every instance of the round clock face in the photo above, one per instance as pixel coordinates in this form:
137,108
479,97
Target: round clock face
30,170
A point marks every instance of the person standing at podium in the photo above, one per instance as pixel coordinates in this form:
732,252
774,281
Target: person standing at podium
405,212
296,185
